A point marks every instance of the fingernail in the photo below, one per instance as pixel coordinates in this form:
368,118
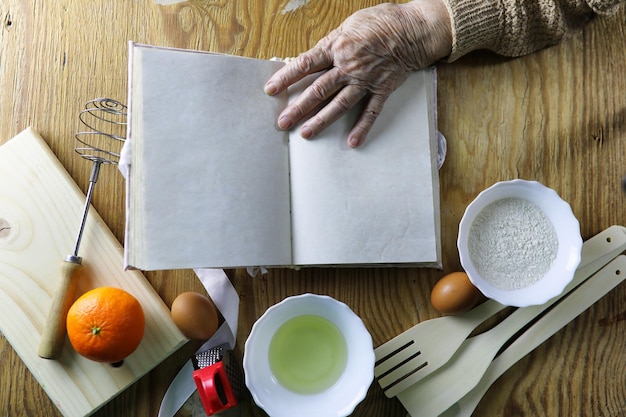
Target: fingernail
306,132
354,141
270,88
284,123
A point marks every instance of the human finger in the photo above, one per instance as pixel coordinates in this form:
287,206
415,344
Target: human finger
366,120
316,94
312,61
346,99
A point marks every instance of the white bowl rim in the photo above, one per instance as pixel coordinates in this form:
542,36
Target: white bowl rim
568,233
315,404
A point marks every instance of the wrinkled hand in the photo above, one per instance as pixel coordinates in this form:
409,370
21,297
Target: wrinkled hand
366,58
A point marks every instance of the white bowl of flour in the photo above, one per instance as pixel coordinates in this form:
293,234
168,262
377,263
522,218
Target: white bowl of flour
519,243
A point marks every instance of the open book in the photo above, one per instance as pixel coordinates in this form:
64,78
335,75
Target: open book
214,183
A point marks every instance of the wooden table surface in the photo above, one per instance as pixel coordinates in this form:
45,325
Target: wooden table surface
557,116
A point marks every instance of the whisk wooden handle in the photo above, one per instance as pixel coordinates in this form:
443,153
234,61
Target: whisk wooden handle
54,331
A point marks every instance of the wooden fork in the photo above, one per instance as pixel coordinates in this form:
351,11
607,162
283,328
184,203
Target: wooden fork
424,348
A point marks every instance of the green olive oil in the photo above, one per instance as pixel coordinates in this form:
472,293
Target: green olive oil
307,354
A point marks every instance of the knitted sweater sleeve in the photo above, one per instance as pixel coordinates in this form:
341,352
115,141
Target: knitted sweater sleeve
517,27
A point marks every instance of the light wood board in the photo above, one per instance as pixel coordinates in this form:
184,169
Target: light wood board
40,213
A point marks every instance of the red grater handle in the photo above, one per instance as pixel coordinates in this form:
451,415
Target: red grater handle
214,388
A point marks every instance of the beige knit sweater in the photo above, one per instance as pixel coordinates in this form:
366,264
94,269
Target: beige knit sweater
517,27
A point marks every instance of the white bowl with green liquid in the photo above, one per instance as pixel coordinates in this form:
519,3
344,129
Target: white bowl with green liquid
309,356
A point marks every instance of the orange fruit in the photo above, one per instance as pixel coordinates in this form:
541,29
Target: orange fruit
105,324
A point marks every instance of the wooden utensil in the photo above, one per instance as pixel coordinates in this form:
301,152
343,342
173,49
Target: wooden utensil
437,393
424,348
591,291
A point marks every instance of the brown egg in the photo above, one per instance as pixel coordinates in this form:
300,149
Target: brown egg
454,294
195,315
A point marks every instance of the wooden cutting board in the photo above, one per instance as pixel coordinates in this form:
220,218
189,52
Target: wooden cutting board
40,211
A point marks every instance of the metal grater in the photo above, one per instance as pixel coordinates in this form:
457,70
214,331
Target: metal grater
218,393
208,357
235,375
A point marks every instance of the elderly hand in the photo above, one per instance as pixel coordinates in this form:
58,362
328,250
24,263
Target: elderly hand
367,57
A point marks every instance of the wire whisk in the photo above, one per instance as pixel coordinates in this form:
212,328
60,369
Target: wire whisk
101,143
105,120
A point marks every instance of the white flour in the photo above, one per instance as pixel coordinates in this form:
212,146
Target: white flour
512,243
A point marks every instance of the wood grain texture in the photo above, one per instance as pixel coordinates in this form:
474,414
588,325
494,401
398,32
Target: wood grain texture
557,116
